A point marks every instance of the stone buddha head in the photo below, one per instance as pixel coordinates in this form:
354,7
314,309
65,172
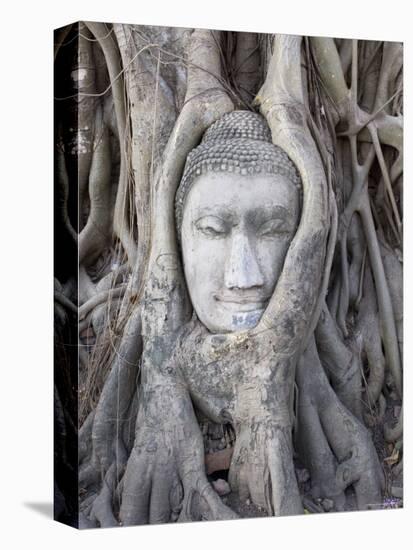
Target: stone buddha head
237,210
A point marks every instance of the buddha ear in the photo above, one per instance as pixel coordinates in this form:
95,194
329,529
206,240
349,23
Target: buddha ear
281,102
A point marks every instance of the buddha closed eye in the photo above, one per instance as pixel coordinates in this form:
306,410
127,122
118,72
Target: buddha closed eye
264,222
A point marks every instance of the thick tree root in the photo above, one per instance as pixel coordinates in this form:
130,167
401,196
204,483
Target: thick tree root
242,381
165,477
369,327
341,363
262,469
337,449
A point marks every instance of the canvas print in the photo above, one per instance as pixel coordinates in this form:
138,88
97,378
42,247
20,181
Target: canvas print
228,274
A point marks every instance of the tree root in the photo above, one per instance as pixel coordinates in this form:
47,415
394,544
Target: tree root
262,468
114,66
102,297
94,237
392,434
152,116
349,449
389,333
369,327
256,400
286,116
342,364
165,476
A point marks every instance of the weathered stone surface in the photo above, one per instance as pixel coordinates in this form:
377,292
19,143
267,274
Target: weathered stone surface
221,487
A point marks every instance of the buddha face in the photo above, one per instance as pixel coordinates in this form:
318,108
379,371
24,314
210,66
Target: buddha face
236,231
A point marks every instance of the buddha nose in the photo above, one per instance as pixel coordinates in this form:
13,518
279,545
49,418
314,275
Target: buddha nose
242,269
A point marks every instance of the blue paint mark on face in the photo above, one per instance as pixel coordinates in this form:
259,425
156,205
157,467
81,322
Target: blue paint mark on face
246,320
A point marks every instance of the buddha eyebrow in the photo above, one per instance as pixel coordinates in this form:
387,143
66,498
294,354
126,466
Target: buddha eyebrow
217,211
265,213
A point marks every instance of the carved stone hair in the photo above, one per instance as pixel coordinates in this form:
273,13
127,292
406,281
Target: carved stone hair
239,143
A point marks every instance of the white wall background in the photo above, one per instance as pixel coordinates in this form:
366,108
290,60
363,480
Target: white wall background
26,270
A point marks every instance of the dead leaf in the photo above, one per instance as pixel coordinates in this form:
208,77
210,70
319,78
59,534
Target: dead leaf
393,458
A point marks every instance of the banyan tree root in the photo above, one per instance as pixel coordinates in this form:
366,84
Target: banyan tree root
369,327
165,478
106,436
334,445
113,62
379,128
245,383
341,363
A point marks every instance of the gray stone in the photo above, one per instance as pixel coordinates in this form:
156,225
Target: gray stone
327,504
221,487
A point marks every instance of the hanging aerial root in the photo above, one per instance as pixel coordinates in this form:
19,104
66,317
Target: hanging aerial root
330,69
368,324
95,236
388,326
246,72
394,274
62,179
114,65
